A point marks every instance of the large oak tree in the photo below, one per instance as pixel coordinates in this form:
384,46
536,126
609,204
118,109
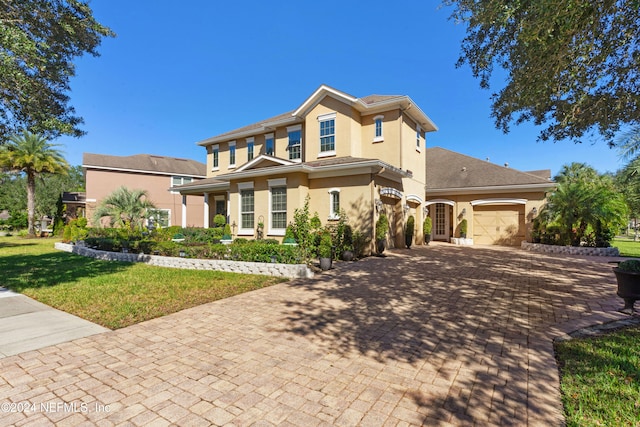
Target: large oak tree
572,66
39,40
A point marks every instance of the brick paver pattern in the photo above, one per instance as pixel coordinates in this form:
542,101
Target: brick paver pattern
439,335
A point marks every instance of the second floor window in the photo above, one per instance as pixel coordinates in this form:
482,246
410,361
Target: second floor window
249,151
216,157
179,180
418,138
295,145
232,154
377,120
327,134
270,148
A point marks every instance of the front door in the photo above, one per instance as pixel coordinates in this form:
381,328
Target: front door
441,222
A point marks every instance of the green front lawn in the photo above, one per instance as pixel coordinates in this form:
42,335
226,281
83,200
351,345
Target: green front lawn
627,246
600,379
112,294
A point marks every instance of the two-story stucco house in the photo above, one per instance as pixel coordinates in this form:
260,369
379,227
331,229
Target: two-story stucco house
364,155
152,173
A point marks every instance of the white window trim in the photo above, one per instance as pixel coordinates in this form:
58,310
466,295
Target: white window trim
381,137
245,186
322,118
235,155
290,129
279,182
168,217
418,139
271,137
213,149
333,215
251,140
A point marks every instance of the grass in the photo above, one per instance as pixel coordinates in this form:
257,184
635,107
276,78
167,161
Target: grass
627,246
112,294
600,379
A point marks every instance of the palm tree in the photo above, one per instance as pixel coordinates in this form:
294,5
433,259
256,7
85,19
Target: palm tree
629,143
585,199
32,155
125,208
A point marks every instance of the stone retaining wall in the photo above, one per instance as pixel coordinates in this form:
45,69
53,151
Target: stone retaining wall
269,269
571,250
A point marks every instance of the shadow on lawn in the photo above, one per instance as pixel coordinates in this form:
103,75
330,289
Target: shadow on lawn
34,271
472,315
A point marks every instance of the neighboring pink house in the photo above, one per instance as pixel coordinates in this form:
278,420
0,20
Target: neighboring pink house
156,175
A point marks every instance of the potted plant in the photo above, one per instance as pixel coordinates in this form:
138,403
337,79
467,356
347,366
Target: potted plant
325,251
226,236
426,230
289,238
463,228
382,227
628,277
347,243
408,231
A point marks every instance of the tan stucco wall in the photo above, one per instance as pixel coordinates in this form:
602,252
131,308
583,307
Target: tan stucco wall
347,128
534,199
101,183
387,149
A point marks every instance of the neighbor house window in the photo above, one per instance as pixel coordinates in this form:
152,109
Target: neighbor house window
232,154
295,142
334,203
179,180
270,148
377,120
247,208
216,156
327,134
249,149
278,206
159,217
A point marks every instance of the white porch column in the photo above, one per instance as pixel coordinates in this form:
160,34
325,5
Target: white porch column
184,211
206,210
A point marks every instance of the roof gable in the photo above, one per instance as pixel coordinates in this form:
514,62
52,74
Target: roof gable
448,169
371,104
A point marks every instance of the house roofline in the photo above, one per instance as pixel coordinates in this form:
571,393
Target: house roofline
491,189
145,171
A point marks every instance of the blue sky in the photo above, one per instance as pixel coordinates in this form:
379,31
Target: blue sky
178,73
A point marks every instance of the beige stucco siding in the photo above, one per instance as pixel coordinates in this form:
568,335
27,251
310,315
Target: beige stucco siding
347,128
534,199
387,148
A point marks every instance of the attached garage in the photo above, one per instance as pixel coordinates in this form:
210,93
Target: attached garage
499,224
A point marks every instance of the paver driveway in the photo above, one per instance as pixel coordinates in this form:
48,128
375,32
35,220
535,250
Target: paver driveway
441,335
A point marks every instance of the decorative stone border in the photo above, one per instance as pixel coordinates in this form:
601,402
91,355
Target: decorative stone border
570,250
292,271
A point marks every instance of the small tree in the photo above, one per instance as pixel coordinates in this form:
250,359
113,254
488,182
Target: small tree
124,208
426,229
408,232
382,227
463,228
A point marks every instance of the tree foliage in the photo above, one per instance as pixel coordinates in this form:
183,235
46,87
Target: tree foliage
39,39
586,207
124,208
34,156
572,65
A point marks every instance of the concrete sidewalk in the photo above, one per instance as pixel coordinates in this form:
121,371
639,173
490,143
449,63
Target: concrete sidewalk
27,325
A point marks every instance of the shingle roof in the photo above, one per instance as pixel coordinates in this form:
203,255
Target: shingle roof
146,163
448,169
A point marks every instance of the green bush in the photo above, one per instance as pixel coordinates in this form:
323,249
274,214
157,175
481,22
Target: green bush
325,248
631,265
463,228
382,227
408,232
219,220
427,226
